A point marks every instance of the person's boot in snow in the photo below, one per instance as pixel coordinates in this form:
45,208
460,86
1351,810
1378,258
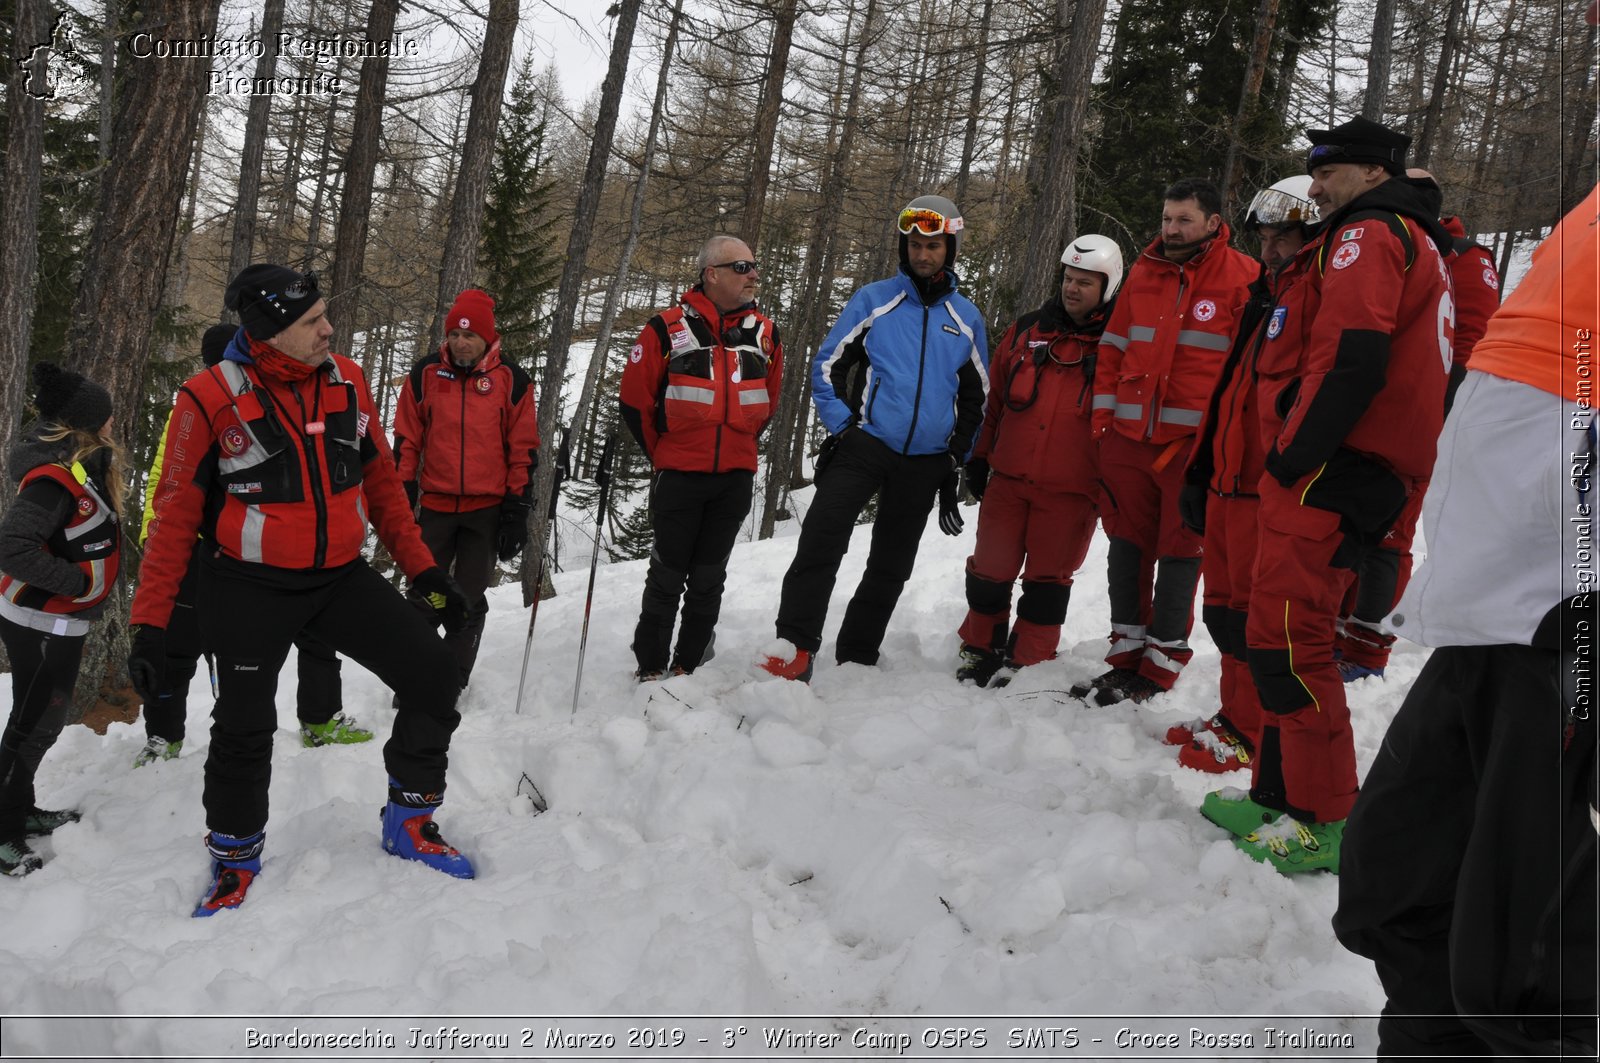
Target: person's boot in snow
342,730
235,863
410,833
798,667
1216,747
1292,846
45,820
16,859
1137,688
1234,811
978,665
1115,677
157,749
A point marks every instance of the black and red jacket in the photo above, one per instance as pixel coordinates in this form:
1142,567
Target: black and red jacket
468,436
282,477
1477,288
1358,348
700,385
1041,385
88,538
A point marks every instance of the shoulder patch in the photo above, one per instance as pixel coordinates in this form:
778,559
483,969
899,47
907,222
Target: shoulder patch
1491,278
1346,254
636,354
1275,325
1352,234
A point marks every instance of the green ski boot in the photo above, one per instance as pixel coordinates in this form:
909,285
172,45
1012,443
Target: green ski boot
342,730
1232,810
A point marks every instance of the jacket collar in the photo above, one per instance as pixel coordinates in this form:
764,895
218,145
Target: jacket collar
697,300
489,361
1221,239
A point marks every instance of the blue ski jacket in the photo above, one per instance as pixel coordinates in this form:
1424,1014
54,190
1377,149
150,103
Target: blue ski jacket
911,371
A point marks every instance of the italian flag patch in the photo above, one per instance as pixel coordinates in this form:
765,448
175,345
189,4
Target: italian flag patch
1352,234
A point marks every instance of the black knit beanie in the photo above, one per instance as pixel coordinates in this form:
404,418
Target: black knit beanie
67,398
268,299
214,344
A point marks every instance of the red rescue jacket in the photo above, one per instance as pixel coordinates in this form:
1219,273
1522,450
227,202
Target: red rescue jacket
1358,348
276,475
467,436
91,539
1037,418
1167,338
1477,288
700,385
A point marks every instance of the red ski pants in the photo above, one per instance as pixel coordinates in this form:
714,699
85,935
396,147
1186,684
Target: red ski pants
1305,761
1226,569
1042,535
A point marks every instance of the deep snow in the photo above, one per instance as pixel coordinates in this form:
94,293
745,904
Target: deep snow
884,841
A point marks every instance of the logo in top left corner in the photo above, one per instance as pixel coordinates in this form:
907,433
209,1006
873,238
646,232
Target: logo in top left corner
54,66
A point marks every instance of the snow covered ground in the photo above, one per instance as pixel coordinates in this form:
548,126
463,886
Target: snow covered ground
884,841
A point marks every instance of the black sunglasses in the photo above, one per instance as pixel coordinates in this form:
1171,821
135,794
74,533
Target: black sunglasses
741,267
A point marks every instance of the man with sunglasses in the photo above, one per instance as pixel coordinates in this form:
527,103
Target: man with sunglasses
899,383
1034,470
699,386
1351,399
276,461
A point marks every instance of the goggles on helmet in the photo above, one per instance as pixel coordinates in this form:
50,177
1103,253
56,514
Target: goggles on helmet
927,222
1273,207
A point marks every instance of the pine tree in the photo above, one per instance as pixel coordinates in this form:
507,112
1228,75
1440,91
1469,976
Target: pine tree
518,264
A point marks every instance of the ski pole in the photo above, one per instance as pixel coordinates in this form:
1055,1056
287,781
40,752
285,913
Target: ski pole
603,478
561,473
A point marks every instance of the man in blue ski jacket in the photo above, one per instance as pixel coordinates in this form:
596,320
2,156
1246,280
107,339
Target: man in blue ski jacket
899,383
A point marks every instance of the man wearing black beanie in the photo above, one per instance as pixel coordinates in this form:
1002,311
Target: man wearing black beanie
276,459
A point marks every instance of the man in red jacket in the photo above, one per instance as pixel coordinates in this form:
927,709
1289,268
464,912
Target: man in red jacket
700,384
1039,507
1351,399
1220,498
466,444
1363,642
275,461
1158,362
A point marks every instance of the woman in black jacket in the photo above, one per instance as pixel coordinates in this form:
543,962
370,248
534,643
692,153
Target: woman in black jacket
60,545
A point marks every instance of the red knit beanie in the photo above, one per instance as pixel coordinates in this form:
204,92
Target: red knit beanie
474,311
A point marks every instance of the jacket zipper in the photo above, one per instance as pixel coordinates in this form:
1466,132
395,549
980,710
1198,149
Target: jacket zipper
718,350
314,473
916,402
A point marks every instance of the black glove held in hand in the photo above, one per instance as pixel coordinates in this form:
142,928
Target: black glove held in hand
977,477
446,597
1192,507
825,453
411,493
513,527
147,661
950,521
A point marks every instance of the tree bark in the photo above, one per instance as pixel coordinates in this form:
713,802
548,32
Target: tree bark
255,145
1378,61
477,155
594,175
766,126
1423,152
969,139
1249,97
120,293
19,216
350,241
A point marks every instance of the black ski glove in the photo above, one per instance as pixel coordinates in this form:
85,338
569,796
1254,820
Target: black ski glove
1192,507
826,453
977,477
513,526
950,521
444,595
147,661
412,492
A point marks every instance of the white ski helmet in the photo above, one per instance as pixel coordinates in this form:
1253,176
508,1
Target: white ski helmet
1097,254
1288,202
931,216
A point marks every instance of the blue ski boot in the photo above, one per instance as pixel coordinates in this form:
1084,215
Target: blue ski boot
410,833
235,864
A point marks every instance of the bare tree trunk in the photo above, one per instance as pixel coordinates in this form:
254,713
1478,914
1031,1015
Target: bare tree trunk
178,279
766,127
350,242
1054,173
1580,150
120,293
594,175
477,153
255,145
108,53
1249,98
602,343
969,140
1423,152
319,198
19,215
1378,61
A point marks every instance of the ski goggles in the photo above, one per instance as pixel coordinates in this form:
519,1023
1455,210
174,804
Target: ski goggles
1272,207
740,266
306,285
1327,154
927,222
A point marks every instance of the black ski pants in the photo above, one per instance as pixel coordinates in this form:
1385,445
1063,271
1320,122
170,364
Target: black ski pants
354,611
1467,870
906,487
465,546
319,697
695,518
44,669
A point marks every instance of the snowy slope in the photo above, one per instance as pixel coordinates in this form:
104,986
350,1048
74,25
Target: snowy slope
882,841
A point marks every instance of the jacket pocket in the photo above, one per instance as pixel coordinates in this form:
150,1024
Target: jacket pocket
1365,495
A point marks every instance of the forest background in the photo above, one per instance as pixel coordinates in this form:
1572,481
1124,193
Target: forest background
136,183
